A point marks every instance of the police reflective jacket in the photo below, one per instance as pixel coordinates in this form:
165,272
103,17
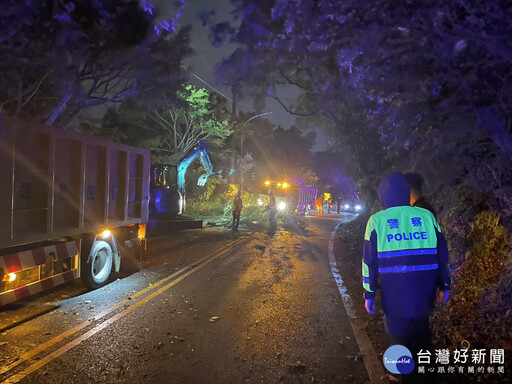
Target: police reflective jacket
405,253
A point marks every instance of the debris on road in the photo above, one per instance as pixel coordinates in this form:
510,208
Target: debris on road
297,368
214,319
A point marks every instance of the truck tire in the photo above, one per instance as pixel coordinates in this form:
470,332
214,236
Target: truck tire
96,271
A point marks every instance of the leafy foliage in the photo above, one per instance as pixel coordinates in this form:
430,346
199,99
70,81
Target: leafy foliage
61,57
251,213
203,193
177,127
479,307
392,81
200,208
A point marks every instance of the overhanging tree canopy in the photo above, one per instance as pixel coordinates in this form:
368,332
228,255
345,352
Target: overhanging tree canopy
61,57
384,74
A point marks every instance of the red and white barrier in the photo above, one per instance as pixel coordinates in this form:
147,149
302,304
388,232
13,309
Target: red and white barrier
37,287
35,257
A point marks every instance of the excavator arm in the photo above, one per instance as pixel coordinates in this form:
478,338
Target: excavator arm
200,151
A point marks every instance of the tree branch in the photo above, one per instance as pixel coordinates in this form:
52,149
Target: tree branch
293,112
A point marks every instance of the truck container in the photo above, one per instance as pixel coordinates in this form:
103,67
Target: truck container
71,206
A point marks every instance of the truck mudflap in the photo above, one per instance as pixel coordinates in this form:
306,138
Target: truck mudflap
131,252
29,272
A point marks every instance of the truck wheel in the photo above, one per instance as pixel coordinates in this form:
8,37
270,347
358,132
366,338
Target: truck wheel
96,272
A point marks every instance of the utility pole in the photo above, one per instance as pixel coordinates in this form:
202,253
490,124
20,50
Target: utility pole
231,177
242,143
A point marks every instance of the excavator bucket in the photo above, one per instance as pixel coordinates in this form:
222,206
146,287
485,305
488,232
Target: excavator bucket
203,178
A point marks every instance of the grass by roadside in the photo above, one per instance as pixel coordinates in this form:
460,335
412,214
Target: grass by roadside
348,250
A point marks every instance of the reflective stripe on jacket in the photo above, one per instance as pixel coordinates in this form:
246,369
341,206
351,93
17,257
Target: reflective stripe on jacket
405,256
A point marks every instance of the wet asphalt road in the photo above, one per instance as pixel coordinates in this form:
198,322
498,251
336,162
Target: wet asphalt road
265,309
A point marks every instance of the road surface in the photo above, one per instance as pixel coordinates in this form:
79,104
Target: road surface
208,307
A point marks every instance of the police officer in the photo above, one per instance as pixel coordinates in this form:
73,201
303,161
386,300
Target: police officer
272,210
415,181
405,256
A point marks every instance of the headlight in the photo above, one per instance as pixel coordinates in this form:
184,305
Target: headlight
260,203
281,205
346,206
357,207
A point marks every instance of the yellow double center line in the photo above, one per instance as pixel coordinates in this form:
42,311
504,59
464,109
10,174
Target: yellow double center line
47,359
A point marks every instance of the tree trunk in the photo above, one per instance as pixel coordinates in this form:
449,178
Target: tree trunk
59,109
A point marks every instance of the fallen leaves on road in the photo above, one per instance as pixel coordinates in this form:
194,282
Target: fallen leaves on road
3,343
214,319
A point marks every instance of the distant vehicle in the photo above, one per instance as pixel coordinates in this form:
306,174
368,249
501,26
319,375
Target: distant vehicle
296,198
353,207
71,206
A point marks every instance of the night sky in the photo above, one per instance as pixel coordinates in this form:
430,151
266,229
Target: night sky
207,56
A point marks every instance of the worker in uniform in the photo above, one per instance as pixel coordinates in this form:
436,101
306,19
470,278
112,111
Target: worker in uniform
319,206
406,258
237,210
338,204
272,210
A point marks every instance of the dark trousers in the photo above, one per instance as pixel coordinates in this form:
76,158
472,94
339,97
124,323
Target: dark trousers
272,218
411,333
415,335
236,220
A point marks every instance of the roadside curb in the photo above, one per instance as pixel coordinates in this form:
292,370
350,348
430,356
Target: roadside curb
370,358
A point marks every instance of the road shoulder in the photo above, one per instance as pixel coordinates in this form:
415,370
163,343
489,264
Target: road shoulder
348,250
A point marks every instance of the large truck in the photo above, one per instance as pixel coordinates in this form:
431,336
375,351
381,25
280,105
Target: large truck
299,198
71,206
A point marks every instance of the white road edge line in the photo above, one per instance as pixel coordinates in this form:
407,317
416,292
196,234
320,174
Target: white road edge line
371,361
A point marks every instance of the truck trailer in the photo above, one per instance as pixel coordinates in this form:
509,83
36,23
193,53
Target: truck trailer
71,206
